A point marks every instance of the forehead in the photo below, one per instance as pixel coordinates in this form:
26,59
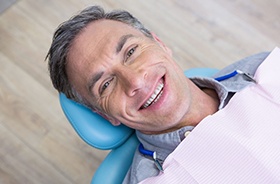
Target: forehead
100,35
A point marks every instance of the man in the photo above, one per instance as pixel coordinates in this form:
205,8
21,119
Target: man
111,63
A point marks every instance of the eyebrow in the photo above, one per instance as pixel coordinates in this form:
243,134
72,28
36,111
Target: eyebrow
122,41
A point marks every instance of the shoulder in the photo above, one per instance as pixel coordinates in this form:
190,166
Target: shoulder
248,64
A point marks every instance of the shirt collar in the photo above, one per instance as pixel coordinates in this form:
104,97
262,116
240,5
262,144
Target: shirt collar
163,144
211,83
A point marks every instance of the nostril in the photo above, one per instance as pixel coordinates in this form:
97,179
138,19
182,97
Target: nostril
135,86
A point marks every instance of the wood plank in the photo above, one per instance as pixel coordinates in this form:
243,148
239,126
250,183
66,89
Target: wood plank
4,4
20,164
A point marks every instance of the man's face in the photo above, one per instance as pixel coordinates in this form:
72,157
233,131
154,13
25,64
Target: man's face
128,76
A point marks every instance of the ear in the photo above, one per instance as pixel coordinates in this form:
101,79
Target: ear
114,121
156,38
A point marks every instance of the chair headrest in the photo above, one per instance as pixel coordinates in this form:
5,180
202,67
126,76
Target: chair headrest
91,127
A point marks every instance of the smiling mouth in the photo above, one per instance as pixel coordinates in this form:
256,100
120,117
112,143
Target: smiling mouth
155,96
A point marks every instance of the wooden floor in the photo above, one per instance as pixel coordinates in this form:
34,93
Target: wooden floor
38,145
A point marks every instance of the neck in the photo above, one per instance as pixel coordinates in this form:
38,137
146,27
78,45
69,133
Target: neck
205,103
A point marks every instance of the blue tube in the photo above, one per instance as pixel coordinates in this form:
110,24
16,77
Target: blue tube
145,152
226,76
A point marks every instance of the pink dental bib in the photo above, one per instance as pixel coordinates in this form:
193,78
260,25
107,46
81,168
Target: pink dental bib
238,144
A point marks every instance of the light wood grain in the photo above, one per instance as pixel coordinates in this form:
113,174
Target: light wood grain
38,145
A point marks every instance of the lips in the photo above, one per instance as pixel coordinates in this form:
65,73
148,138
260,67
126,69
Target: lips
155,96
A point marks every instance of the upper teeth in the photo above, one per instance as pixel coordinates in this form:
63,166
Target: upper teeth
155,96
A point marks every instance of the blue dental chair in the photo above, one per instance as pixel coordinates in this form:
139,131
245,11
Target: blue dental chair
99,133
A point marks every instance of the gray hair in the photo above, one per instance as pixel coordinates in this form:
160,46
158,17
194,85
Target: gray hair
64,37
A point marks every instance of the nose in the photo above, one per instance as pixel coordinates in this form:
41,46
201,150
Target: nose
132,80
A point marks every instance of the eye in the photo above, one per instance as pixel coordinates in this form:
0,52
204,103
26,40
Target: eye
130,52
105,85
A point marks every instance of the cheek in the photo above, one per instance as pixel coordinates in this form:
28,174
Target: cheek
154,52
105,105
112,104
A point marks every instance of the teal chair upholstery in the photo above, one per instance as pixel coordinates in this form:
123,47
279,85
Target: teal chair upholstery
99,133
